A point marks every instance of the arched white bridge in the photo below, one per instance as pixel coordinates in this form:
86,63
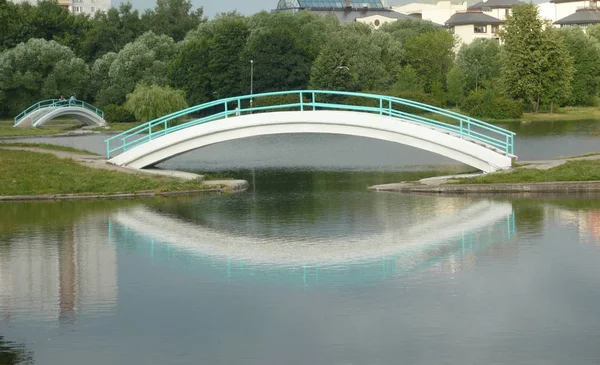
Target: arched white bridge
44,111
473,142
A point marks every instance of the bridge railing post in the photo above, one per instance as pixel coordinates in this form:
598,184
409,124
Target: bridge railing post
313,102
381,106
390,108
226,111
461,128
301,102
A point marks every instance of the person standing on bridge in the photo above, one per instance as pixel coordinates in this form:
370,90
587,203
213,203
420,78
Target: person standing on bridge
72,100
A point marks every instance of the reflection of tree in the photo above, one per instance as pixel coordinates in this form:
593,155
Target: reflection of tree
13,354
529,216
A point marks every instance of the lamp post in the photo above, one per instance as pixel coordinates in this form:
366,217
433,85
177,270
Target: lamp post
251,82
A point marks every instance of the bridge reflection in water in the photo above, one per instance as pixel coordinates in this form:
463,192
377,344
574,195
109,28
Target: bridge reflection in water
234,257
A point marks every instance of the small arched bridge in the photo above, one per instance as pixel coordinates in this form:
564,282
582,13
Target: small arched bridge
44,111
459,137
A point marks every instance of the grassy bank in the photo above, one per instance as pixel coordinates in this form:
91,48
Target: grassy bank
567,114
47,146
588,170
32,173
56,127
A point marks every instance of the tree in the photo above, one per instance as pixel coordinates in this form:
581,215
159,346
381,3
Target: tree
193,59
431,55
25,72
350,61
46,20
172,17
407,79
535,65
283,47
148,102
585,51
111,31
407,29
68,78
594,31
455,80
479,62
142,61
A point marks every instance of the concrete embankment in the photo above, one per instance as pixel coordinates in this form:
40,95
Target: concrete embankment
543,187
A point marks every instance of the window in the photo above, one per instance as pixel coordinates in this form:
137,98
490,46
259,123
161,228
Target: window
480,28
377,22
451,29
93,10
495,29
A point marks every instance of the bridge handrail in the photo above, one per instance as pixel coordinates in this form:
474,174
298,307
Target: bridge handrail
58,103
464,127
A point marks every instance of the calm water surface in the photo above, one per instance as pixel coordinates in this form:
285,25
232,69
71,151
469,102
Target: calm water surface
307,266
304,268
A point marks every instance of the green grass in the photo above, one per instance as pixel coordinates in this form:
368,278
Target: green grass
566,114
55,127
569,171
32,173
48,146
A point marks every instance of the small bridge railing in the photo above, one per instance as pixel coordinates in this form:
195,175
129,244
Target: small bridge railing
306,100
58,103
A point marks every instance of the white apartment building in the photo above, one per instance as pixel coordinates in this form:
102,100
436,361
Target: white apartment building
484,19
89,7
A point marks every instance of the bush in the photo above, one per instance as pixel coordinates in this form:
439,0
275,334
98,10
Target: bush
417,96
117,114
148,102
490,104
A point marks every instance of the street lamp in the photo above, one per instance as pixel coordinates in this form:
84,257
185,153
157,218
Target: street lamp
251,82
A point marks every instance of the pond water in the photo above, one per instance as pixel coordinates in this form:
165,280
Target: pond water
306,267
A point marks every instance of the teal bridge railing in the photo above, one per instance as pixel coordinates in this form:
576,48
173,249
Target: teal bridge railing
58,103
306,100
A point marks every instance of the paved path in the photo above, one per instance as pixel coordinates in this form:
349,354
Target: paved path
99,162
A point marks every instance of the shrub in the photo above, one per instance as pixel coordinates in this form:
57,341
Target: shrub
490,104
117,114
148,102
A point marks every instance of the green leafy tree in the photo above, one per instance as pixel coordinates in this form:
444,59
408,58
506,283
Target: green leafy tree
148,102
142,61
535,65
47,20
455,80
407,79
283,47
431,55
69,77
405,30
479,62
594,31
111,31
25,69
585,51
174,18
351,61
193,59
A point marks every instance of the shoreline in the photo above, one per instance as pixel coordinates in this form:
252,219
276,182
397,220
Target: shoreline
98,162
558,187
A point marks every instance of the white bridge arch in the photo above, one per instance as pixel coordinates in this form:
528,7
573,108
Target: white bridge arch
45,111
443,142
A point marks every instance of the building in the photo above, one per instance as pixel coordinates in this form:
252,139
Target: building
372,12
89,7
437,13
584,16
470,25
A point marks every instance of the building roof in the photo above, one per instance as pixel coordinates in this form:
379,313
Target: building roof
328,4
474,18
564,1
581,17
496,4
